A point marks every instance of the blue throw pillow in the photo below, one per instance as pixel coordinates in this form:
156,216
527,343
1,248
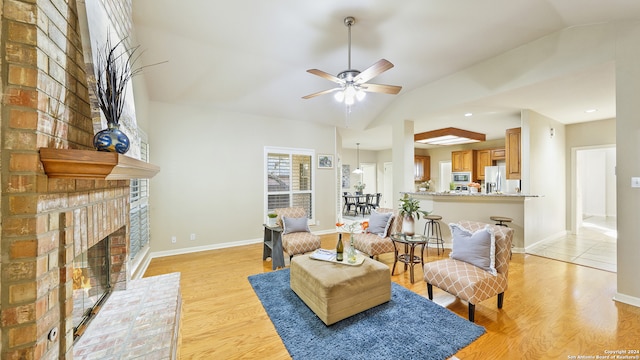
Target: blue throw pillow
379,223
477,248
292,225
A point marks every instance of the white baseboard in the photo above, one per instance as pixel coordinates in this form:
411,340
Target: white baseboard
141,267
325,232
630,300
548,238
189,250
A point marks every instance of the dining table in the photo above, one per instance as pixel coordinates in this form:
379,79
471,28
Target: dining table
355,201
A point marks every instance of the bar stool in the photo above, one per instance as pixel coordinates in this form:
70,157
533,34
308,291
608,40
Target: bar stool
433,232
501,220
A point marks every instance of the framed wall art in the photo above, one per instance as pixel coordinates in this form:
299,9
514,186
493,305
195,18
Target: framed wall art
346,176
325,161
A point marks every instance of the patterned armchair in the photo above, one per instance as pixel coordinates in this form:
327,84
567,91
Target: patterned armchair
300,240
468,282
373,244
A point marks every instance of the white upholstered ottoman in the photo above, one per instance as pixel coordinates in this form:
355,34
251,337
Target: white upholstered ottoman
335,291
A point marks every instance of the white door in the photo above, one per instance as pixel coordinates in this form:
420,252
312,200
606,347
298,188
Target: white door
445,176
387,187
369,178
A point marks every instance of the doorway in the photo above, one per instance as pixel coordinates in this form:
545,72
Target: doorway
592,240
369,178
445,176
594,185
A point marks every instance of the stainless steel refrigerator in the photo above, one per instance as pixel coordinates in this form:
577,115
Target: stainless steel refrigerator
495,179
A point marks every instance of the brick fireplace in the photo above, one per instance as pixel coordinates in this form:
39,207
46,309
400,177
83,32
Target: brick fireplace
92,282
38,277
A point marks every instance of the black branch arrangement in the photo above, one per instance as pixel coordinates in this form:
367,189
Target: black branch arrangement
114,69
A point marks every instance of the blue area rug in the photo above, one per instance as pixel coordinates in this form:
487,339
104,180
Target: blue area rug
408,327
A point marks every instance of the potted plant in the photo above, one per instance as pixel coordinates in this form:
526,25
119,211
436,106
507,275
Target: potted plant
359,187
272,218
410,208
113,72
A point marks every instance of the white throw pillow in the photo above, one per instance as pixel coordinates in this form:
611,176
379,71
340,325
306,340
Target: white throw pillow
292,225
477,248
379,223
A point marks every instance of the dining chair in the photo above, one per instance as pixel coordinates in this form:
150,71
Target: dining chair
373,202
363,204
350,202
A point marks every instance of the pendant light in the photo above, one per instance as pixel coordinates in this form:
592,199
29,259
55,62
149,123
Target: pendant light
358,170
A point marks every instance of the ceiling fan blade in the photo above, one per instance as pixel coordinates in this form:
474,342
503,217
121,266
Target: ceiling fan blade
372,71
325,75
379,88
321,93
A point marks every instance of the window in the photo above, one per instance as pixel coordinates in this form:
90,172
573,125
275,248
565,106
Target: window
139,212
289,179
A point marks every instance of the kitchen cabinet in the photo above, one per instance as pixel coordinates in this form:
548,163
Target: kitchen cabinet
483,158
422,168
487,157
463,161
513,153
497,154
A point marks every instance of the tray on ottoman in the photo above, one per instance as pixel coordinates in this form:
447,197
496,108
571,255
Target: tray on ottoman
334,291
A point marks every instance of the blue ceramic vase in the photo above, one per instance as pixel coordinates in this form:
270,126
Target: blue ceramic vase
111,139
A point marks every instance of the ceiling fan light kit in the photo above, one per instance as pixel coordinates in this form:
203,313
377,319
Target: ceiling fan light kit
358,170
448,136
353,83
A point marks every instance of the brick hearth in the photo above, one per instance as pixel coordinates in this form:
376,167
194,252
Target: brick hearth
141,322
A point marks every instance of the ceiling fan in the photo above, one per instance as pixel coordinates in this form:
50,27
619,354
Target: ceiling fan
353,83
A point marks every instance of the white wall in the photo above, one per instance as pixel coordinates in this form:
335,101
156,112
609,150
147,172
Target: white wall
627,56
211,179
543,173
596,179
593,183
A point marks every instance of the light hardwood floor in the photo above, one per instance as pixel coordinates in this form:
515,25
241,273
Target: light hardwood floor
552,309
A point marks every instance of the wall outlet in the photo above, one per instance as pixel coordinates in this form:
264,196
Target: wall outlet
174,239
193,237
635,182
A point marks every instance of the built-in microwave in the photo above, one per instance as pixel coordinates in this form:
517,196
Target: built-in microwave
461,178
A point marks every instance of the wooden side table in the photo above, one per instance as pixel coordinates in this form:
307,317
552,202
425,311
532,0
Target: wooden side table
272,246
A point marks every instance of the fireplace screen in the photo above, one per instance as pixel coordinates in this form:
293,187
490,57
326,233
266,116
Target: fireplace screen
90,284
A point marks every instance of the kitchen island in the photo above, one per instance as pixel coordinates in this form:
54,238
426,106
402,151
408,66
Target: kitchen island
454,207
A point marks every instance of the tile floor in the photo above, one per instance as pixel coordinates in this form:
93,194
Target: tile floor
594,245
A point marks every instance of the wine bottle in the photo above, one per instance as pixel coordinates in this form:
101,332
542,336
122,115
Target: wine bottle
339,248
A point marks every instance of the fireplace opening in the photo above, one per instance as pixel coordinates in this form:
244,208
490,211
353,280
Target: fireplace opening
91,285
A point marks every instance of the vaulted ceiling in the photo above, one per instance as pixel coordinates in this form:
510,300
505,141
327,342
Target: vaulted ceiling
252,56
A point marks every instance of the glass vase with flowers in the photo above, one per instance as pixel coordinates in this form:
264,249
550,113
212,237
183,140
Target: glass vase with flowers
352,228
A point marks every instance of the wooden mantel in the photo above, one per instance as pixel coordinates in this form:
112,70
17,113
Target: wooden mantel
91,164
